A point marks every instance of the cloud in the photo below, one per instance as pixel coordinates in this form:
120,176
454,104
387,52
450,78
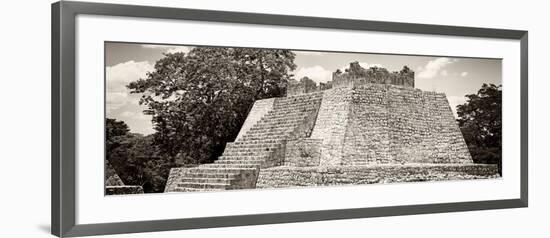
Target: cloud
444,73
433,67
120,75
464,74
454,101
169,48
317,73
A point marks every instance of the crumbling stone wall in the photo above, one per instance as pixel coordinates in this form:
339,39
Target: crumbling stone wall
287,176
305,85
331,123
356,75
111,177
303,152
383,124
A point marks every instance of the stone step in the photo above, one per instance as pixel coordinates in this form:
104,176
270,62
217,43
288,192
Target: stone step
184,189
240,161
271,124
204,185
270,127
292,106
247,157
269,132
247,153
211,175
259,137
297,99
284,106
243,145
253,144
227,170
233,166
207,180
256,142
256,149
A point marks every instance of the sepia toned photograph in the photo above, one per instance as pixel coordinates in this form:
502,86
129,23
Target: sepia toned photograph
186,118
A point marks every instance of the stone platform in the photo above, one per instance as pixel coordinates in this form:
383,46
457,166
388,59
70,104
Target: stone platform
290,176
372,126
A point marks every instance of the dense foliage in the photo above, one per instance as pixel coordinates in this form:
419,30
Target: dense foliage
200,100
135,158
480,120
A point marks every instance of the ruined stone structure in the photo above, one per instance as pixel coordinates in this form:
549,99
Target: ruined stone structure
370,126
115,186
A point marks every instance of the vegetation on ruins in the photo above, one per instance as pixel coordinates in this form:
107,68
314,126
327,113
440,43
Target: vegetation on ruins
480,120
199,100
134,157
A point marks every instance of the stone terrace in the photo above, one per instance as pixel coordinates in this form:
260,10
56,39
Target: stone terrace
372,126
261,146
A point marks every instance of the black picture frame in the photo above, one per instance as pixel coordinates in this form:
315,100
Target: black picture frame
64,107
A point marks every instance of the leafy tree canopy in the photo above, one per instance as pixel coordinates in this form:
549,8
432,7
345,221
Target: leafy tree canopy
199,100
134,157
480,120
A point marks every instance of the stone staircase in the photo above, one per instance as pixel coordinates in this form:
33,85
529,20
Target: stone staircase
262,146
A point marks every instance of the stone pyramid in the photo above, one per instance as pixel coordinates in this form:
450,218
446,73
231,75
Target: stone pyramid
372,126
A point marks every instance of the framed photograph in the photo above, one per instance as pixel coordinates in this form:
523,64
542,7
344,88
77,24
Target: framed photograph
167,119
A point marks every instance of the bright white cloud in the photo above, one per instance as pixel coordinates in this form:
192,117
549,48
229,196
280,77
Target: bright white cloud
454,101
464,74
316,73
434,67
122,105
120,75
169,48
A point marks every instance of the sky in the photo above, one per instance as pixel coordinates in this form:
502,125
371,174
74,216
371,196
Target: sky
456,77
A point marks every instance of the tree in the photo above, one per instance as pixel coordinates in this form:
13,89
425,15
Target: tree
200,100
115,131
480,120
134,157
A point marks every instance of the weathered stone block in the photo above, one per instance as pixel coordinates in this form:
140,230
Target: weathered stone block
303,152
289,176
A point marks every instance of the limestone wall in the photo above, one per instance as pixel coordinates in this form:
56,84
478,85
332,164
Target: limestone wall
367,136
381,124
356,75
331,123
303,152
286,176
259,109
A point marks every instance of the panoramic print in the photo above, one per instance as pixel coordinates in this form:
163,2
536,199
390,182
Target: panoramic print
182,118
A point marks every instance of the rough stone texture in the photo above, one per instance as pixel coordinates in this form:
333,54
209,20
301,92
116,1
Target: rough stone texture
288,176
121,190
259,109
303,152
261,145
111,177
382,123
331,123
356,75
365,126
305,85
115,186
